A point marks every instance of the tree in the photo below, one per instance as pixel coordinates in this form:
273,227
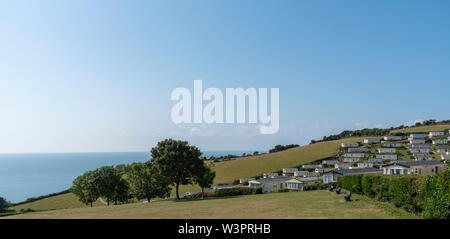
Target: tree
85,188
205,178
146,182
110,184
178,161
3,204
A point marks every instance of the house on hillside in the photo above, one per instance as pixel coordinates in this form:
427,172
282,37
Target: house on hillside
417,141
440,141
375,161
330,162
245,180
393,138
422,156
352,160
436,134
322,170
357,150
311,166
372,141
270,175
420,146
418,136
391,144
386,156
354,155
342,165
426,167
387,150
301,174
289,171
269,185
349,145
333,176
420,150
365,165
299,183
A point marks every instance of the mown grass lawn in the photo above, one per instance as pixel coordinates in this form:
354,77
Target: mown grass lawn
309,204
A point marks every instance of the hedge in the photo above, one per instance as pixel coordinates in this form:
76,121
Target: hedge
225,192
428,196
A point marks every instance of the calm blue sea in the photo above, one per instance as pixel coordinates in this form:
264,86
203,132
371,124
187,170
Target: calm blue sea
30,175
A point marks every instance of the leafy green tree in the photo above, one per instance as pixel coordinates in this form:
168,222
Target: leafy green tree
110,184
146,182
178,161
85,187
205,178
3,204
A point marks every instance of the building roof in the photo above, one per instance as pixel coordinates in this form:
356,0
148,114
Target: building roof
357,171
416,163
277,179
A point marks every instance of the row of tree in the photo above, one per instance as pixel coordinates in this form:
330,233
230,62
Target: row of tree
279,147
3,204
173,163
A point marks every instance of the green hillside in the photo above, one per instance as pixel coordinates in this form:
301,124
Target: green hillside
307,204
227,172
63,201
420,129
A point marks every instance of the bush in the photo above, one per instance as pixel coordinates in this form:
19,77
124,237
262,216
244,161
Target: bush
429,195
258,190
226,192
284,190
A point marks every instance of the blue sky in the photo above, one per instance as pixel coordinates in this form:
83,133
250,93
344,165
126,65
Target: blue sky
88,76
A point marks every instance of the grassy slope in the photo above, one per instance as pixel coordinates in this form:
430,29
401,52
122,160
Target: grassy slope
67,200
420,129
309,204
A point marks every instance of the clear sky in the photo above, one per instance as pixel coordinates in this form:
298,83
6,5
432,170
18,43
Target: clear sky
87,76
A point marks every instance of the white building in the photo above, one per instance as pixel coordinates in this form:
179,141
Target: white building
420,150
386,156
365,165
357,150
354,155
352,160
349,145
269,185
393,138
270,175
391,144
375,161
422,156
421,146
289,171
244,180
416,141
436,134
342,165
330,162
311,166
372,141
418,136
426,167
387,150
301,173
440,141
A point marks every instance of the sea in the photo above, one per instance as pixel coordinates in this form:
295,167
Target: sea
24,176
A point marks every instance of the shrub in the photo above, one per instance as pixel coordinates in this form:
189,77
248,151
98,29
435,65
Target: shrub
258,190
226,192
284,190
429,195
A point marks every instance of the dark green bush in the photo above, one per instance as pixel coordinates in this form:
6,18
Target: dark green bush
226,192
429,195
284,190
258,190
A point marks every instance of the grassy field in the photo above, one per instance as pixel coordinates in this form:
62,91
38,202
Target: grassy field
420,129
307,204
63,201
